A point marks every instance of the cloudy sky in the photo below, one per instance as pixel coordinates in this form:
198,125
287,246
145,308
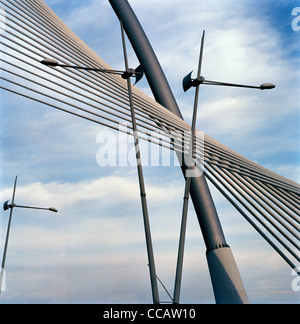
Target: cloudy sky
93,250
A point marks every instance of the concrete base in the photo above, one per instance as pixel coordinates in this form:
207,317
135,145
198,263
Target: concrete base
226,280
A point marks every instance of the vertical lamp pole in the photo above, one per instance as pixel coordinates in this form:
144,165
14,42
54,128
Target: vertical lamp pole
187,188
153,277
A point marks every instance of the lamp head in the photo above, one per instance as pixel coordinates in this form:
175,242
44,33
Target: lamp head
49,62
6,205
266,86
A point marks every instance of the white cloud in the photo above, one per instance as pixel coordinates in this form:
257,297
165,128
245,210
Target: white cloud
69,256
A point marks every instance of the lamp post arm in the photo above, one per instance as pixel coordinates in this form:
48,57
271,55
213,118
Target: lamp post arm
208,82
263,86
32,207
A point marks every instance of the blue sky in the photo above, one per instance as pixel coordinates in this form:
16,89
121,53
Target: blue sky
93,250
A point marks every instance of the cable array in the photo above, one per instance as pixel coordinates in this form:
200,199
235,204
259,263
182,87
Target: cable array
31,31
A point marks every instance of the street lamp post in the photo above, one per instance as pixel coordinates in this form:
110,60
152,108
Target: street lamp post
127,74
187,83
11,206
188,180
